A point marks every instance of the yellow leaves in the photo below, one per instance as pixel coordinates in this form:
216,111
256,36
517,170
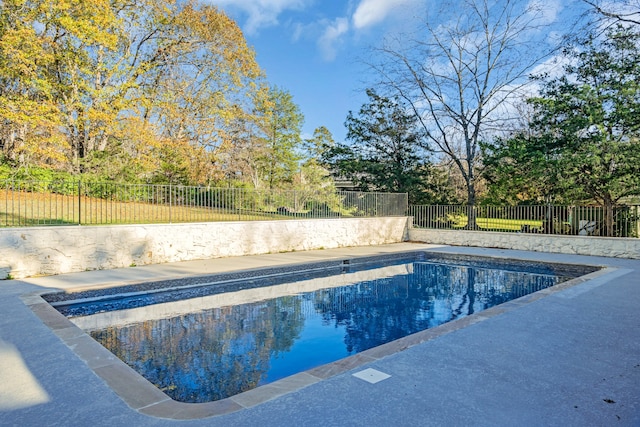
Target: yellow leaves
158,81
163,158
22,52
20,48
181,162
29,111
37,130
223,38
92,22
138,139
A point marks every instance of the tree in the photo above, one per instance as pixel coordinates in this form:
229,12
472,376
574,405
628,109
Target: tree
198,73
321,141
240,151
622,11
47,50
81,79
385,153
525,168
592,114
459,74
314,187
280,122
313,175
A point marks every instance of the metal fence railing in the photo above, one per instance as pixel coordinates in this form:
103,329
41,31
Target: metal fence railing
36,203
620,221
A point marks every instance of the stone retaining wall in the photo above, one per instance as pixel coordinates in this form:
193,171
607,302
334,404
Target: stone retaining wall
579,245
54,250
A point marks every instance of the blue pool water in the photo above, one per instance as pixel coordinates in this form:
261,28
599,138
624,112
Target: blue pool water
210,347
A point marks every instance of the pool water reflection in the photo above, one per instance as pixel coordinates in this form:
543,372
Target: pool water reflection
209,348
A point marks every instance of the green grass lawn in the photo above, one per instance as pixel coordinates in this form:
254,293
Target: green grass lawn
507,224
32,209
496,224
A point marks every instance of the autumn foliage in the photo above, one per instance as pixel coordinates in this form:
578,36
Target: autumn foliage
152,90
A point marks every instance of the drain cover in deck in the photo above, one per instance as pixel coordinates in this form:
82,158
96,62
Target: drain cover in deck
371,375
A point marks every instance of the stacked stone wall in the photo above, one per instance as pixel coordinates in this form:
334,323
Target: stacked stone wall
54,250
579,245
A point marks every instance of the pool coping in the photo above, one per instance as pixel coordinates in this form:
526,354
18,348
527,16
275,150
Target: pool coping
144,397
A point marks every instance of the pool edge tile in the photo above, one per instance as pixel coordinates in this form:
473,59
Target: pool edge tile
275,389
50,316
92,352
170,409
135,390
341,366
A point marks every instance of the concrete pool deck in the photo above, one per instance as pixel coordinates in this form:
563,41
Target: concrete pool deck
566,357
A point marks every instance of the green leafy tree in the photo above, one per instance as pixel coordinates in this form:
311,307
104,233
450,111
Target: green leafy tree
313,175
385,153
585,141
525,168
321,141
315,188
280,122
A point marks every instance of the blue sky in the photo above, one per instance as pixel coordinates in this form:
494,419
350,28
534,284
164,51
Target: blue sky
314,48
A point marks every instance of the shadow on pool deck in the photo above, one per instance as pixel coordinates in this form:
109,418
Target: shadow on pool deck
568,355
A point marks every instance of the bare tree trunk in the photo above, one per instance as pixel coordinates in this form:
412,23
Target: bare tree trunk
472,223
608,220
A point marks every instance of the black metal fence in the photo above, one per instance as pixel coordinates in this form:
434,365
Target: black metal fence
36,203
620,221
39,203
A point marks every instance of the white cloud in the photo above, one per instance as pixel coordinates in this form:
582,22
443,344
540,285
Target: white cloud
553,67
260,13
371,12
546,11
331,37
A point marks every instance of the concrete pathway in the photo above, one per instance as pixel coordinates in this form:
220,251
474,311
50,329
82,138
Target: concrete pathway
570,357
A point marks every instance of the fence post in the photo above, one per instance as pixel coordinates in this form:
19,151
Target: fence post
79,202
170,202
6,203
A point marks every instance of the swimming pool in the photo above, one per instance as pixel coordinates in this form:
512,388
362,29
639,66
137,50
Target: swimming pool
208,338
